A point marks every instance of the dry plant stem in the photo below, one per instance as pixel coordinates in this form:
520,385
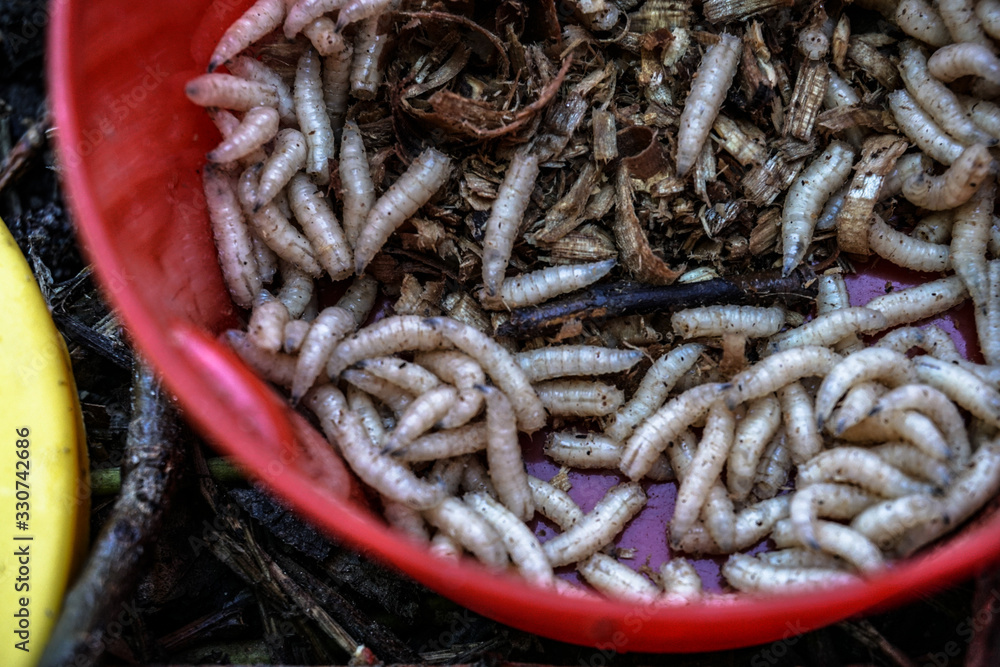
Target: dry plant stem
236,546
628,298
154,455
26,148
984,647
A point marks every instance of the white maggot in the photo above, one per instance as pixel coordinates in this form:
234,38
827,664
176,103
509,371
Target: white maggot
757,428
254,70
955,186
656,384
230,92
579,398
887,366
886,522
988,12
405,197
394,396
258,127
905,250
652,436
750,321
319,223
337,83
296,289
554,504
920,301
969,239
359,298
861,467
470,529
366,70
521,544
382,473
773,469
598,527
314,122
529,289
545,363
925,132
920,19
356,178
776,371
681,582
839,501
753,524
936,99
359,10
960,18
711,83
262,18
305,11
836,539
746,573
390,335
806,197
503,452
711,455
266,328
502,226
856,406
275,367
830,328
232,237
274,228
957,60
962,386
617,580
467,439
326,332
420,416
803,438
915,463
499,365
973,488
408,375
938,407
288,157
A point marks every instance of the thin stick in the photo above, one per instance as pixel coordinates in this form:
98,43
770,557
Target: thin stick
630,298
155,454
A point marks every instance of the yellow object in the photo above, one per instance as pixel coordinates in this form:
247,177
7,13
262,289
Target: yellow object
44,496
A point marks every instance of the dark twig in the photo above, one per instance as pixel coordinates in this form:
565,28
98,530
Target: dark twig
235,545
375,635
630,298
24,151
154,455
98,343
984,647
866,634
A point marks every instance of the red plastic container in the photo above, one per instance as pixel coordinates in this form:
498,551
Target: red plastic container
131,146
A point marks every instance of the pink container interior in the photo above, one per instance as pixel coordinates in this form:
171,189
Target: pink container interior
131,147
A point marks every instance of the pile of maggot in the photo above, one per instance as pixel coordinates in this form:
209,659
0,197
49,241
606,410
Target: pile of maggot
483,147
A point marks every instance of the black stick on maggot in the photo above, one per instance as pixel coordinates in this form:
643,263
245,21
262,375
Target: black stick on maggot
631,298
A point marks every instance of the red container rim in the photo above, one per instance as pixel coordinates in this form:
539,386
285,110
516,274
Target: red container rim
185,355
